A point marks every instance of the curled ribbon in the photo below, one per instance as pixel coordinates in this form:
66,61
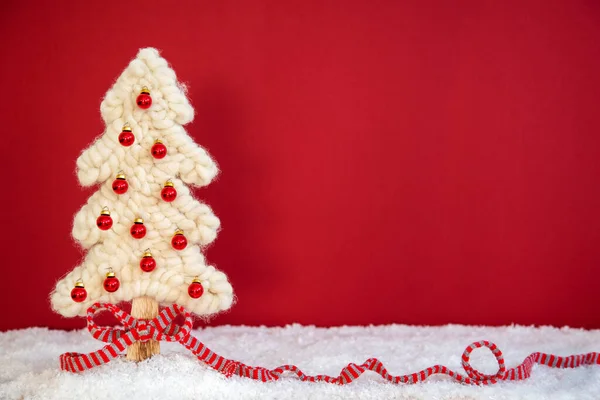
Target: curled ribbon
163,328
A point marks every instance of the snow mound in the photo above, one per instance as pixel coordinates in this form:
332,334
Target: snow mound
29,366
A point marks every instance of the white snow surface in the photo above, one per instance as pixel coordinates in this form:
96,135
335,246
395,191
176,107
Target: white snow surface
29,367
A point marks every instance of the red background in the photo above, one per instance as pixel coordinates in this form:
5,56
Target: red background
412,162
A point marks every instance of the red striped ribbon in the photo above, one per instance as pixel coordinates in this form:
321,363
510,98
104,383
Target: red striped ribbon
163,328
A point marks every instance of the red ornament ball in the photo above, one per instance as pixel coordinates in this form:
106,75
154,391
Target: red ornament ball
168,193
111,283
179,242
126,138
195,290
144,100
147,263
138,230
158,150
120,185
78,293
104,221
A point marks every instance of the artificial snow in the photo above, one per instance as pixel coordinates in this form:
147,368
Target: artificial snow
29,367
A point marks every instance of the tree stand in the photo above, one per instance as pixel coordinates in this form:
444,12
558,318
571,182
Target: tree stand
143,308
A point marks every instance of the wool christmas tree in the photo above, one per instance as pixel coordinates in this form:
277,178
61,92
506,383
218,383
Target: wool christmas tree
143,230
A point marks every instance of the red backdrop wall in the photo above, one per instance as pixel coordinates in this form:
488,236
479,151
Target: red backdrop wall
412,162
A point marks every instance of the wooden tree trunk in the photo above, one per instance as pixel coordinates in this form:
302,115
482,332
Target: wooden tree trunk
143,308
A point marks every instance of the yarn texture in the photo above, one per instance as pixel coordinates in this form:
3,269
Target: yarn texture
185,164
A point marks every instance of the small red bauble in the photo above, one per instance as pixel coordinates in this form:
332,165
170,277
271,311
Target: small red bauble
179,242
120,185
111,283
126,138
147,263
144,101
138,230
168,193
158,150
104,221
195,289
78,293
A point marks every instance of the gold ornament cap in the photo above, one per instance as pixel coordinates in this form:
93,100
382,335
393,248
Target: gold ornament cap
138,221
179,232
126,127
147,253
157,141
120,175
169,183
145,90
105,211
110,274
79,284
196,280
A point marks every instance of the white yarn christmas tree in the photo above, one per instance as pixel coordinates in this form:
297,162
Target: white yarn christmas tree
115,250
